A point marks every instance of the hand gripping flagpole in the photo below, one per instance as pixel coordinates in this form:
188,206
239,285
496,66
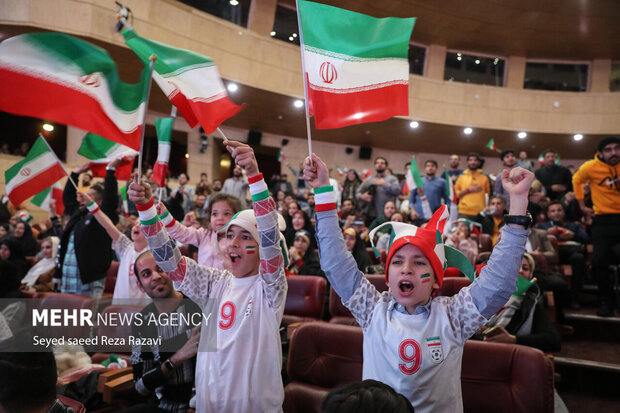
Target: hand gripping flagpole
146,105
305,78
60,163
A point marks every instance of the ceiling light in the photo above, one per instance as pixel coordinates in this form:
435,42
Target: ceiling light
477,61
187,156
48,127
458,54
234,2
414,124
299,103
459,58
272,34
468,131
232,87
291,38
522,135
294,34
578,137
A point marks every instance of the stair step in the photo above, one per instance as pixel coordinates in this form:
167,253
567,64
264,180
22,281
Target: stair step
589,364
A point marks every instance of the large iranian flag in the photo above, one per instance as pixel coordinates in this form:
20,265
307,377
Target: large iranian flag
356,65
102,151
61,78
163,127
38,171
45,197
190,80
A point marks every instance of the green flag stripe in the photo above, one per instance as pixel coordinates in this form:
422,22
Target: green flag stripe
416,173
163,127
96,147
354,34
40,197
323,189
91,59
38,149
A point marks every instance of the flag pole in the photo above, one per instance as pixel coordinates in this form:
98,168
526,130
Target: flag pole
146,105
305,79
219,131
60,163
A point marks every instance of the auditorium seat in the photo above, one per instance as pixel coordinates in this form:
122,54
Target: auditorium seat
74,404
485,242
494,376
340,314
120,330
305,299
451,286
110,279
68,301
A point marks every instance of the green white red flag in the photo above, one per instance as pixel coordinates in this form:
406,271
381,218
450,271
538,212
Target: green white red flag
45,197
356,66
64,79
102,151
38,171
163,126
125,201
450,193
280,156
190,80
491,145
414,181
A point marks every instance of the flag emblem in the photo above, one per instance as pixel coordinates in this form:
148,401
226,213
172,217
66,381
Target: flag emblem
90,80
328,72
435,351
25,172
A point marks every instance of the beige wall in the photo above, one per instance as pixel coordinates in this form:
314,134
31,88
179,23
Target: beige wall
276,67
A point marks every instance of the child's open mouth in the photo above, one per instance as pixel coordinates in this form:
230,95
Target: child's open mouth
405,287
234,257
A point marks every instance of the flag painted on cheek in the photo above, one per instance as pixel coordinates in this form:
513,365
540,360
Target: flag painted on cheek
250,249
426,278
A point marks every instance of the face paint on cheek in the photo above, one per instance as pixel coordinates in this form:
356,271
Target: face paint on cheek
425,278
250,249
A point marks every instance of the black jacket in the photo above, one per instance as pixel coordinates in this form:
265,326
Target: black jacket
93,246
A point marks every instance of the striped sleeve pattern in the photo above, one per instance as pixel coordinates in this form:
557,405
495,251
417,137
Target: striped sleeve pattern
271,259
325,198
163,248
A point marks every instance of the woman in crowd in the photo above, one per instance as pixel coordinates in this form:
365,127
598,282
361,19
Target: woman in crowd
350,185
23,235
357,248
5,231
11,252
524,320
389,208
39,277
383,240
298,221
303,259
459,239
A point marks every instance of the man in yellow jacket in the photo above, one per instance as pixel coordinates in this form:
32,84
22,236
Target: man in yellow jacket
603,174
472,187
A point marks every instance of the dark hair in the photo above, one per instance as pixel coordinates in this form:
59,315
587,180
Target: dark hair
555,202
606,141
133,213
434,162
546,151
474,154
506,152
27,380
500,197
98,188
183,173
365,396
135,265
233,202
381,157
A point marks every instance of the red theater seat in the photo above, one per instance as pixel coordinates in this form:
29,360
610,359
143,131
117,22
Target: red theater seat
305,299
53,301
495,377
451,286
340,314
110,279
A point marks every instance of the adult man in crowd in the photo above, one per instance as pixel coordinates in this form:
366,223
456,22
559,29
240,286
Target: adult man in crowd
454,171
87,180
237,185
85,251
472,187
508,162
603,175
494,216
556,179
571,254
434,189
199,206
185,191
379,187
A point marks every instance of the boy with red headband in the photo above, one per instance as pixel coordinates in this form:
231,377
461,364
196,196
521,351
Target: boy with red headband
412,342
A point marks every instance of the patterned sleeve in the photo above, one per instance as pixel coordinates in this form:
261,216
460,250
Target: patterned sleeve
362,303
465,319
121,244
178,231
271,259
192,279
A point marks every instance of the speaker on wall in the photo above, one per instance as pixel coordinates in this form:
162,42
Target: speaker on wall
254,138
365,152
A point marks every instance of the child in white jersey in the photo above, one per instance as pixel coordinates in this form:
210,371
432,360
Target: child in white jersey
243,374
412,342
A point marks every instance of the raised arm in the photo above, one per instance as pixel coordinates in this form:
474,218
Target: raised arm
101,218
178,231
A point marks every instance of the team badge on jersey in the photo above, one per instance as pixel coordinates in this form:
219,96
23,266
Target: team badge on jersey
435,352
248,309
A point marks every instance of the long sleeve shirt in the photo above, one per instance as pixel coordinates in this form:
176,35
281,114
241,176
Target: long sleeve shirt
474,202
604,182
241,372
383,193
435,191
418,354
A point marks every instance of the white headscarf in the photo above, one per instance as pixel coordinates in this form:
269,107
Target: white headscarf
43,266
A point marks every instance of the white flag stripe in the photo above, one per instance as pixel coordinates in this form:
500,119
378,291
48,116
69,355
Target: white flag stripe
163,153
32,169
202,82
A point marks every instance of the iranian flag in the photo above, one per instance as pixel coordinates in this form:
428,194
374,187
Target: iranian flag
163,127
414,181
356,65
190,80
280,156
101,152
38,171
53,193
450,193
491,145
64,79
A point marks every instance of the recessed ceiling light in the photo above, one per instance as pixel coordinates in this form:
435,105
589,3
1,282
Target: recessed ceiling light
232,87
291,38
458,54
578,137
187,156
522,135
298,103
294,34
234,2
272,34
48,127
414,124
459,58
477,61
468,131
